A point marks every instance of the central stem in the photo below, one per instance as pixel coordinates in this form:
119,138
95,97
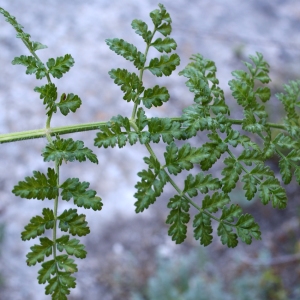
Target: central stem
55,210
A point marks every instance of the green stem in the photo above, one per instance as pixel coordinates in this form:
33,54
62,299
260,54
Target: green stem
55,210
39,133
141,74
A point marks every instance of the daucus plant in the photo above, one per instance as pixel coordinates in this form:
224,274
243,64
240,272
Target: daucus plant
209,114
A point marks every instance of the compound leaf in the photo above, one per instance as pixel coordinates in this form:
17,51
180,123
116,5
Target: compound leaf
38,187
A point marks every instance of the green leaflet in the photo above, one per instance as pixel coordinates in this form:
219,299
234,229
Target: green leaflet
68,150
159,16
165,45
68,103
70,221
72,247
200,182
40,186
128,51
112,134
129,82
203,229
72,188
178,218
231,174
271,190
196,118
164,66
166,129
247,228
48,92
151,185
38,225
155,97
213,151
38,252
141,28
183,158
33,65
60,65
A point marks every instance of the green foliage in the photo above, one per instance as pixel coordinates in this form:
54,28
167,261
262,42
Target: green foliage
242,158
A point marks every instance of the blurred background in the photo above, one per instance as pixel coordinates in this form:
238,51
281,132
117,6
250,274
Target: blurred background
131,256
